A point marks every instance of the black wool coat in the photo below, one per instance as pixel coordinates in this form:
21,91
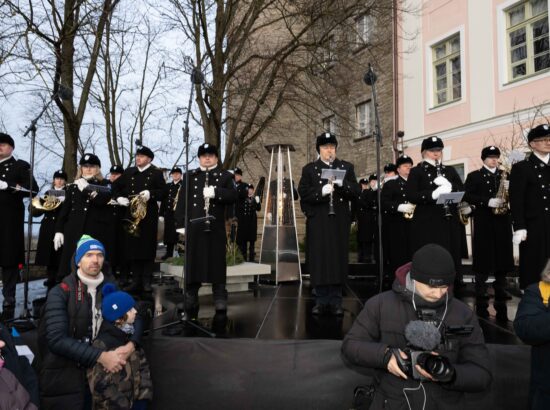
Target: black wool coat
46,255
530,206
429,224
365,208
396,228
205,251
381,324
492,234
12,238
142,246
84,212
248,220
327,237
167,211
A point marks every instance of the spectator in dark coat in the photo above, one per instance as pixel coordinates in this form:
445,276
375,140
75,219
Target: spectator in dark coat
378,334
71,322
18,381
532,325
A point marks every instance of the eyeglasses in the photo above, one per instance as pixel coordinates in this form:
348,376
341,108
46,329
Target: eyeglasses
546,140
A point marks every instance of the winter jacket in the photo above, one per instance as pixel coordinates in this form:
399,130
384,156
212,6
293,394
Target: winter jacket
65,337
532,325
113,391
12,393
381,324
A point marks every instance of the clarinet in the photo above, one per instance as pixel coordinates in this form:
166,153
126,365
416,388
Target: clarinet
446,207
331,199
206,206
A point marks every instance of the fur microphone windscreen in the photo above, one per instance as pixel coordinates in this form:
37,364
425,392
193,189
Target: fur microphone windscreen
422,335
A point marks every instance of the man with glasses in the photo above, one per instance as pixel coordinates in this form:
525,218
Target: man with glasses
530,206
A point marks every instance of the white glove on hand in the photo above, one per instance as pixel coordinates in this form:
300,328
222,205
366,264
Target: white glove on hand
3,185
81,183
209,192
123,201
61,198
146,195
466,210
339,182
58,240
161,218
443,189
257,199
440,181
181,231
327,189
405,208
495,202
519,236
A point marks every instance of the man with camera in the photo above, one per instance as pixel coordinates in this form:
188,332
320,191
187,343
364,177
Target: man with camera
426,347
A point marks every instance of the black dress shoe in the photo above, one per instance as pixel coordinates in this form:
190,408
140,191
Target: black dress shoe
337,310
318,310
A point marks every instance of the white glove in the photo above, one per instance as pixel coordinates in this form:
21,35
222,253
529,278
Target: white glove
209,192
3,185
327,189
443,189
405,208
181,231
58,240
495,202
161,218
440,181
466,210
257,199
123,201
519,236
146,195
81,183
61,198
339,182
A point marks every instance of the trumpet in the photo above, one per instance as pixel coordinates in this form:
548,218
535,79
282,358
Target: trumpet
138,211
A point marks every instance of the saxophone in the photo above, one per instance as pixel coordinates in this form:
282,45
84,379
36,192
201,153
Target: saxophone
502,193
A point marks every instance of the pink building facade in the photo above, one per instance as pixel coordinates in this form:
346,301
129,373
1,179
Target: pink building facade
473,72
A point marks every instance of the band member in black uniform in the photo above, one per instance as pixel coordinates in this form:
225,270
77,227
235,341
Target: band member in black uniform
46,255
118,212
434,223
327,236
492,232
248,224
144,184
85,211
396,212
359,212
390,172
530,206
167,212
14,173
211,190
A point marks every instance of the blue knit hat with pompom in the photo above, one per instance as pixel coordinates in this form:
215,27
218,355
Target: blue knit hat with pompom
115,303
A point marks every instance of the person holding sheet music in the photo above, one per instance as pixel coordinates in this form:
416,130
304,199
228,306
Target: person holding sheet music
85,211
432,222
326,205
211,192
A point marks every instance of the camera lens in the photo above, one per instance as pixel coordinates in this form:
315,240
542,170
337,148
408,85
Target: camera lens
435,365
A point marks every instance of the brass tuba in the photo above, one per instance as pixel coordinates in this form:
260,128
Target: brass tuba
138,211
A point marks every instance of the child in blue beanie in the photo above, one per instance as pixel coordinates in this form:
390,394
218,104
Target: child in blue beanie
130,388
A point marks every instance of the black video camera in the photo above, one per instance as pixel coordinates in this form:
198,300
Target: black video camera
438,366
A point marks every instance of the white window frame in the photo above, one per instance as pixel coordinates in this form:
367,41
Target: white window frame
431,106
364,128
329,124
364,25
505,82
